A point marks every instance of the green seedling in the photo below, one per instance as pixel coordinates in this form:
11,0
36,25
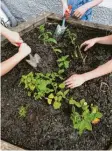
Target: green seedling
29,82
71,36
63,62
83,120
23,111
72,39
77,48
57,98
45,36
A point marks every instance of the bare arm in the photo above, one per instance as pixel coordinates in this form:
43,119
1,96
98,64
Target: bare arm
100,40
7,65
12,36
78,79
100,71
104,40
79,12
92,4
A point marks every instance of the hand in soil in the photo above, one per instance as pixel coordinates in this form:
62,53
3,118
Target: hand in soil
24,50
79,12
14,37
88,44
75,81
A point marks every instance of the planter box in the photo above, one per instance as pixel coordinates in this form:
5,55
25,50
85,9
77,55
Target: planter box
45,128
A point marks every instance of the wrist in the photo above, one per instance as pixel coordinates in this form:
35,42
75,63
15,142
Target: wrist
7,34
97,40
85,7
23,54
86,76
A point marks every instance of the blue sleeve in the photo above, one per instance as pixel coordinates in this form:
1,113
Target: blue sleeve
78,3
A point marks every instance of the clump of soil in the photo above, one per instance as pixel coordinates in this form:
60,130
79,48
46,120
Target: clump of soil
45,128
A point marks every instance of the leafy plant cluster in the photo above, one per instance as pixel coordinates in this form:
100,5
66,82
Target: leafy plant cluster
51,88
45,86
88,114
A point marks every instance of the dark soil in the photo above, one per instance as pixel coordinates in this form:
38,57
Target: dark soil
45,128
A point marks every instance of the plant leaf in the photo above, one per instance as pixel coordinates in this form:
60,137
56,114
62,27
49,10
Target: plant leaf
82,102
62,86
51,96
29,93
61,71
98,115
57,50
49,101
88,125
66,64
59,98
56,105
73,102
52,40
66,92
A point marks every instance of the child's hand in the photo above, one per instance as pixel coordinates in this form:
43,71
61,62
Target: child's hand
24,50
79,12
75,81
14,37
88,44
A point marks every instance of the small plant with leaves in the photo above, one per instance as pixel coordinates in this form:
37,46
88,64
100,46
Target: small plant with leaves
63,62
46,36
71,36
72,40
29,82
23,111
83,116
58,97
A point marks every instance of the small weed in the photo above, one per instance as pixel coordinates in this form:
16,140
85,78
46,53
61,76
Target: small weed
23,111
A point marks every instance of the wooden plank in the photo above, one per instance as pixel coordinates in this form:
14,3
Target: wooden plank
80,23
8,146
